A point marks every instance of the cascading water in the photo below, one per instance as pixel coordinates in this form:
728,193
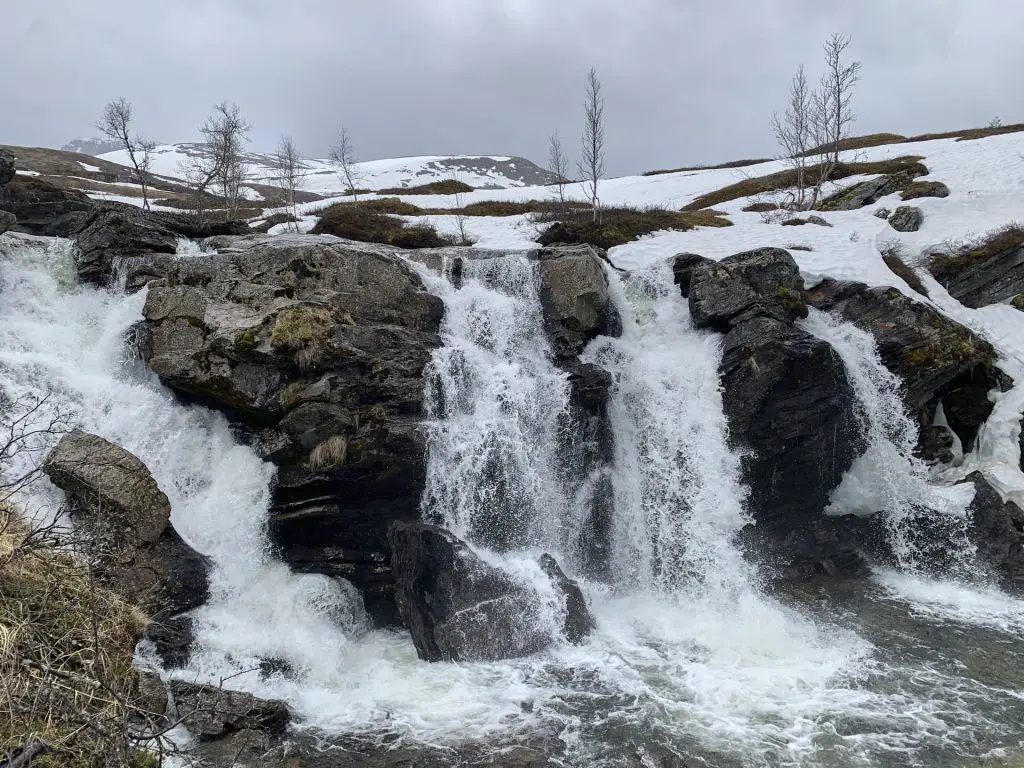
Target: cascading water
688,656
925,522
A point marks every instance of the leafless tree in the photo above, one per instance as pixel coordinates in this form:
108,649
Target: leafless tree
290,173
835,95
116,124
591,164
222,162
794,131
558,164
343,154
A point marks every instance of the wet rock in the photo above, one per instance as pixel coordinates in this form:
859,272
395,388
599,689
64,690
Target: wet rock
683,267
208,712
927,350
458,607
574,297
43,209
761,283
935,445
7,166
997,529
316,346
126,518
907,218
113,235
7,220
792,410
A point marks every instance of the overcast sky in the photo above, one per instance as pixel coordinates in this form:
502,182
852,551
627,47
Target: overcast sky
685,81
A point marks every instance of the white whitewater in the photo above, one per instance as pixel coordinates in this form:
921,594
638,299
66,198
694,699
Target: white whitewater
888,478
688,652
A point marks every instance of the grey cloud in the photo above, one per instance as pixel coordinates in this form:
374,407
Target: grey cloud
685,81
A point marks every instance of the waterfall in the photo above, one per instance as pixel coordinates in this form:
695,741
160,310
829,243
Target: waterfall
678,496
926,524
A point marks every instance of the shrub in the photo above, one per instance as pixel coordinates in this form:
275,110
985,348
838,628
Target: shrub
273,220
761,208
1003,240
621,225
775,182
444,187
359,221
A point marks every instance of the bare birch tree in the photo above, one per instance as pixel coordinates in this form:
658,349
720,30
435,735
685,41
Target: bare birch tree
343,154
116,124
795,132
591,164
290,173
558,164
835,96
222,161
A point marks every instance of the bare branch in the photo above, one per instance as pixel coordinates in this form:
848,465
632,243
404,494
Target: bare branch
591,164
343,154
558,164
290,173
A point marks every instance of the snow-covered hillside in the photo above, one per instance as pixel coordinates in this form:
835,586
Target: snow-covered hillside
91,146
322,177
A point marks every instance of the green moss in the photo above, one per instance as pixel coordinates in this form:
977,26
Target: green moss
1017,302
297,327
246,340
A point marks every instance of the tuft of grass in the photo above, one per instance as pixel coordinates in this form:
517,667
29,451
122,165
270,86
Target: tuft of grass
859,142
761,208
621,225
798,247
303,330
895,257
391,205
359,221
948,265
717,167
330,454
444,187
1017,302
759,185
66,649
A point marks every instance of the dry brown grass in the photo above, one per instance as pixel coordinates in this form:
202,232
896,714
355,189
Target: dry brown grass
360,221
895,257
330,454
623,224
716,167
775,182
66,647
444,187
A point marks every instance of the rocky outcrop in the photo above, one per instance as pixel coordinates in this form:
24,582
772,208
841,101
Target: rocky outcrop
458,607
761,283
997,530
43,209
574,297
869,192
125,516
928,351
918,189
988,272
683,267
317,346
209,713
906,218
825,548
7,221
7,166
790,407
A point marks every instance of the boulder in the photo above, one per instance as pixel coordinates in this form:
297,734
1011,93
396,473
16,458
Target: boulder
126,520
906,218
935,444
793,413
882,213
208,712
43,209
7,221
683,267
826,548
574,297
317,347
997,530
761,283
869,192
926,349
7,166
460,608
112,235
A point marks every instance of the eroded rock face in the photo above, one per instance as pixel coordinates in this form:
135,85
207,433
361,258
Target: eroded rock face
574,297
923,347
792,408
43,209
458,607
126,518
997,529
979,282
761,283
318,347
7,220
